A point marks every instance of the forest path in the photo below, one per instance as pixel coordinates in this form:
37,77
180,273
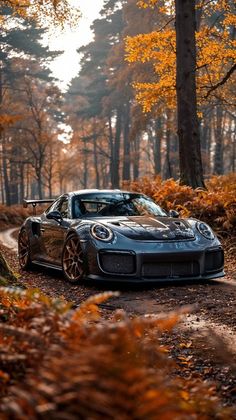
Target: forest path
8,240
203,343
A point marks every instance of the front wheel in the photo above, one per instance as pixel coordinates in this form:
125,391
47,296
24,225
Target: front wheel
73,260
24,250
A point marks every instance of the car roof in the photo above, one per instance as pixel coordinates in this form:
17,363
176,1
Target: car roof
89,191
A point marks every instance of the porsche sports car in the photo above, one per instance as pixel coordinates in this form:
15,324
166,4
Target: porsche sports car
118,235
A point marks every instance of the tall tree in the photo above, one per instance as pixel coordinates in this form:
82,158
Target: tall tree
59,10
214,68
191,172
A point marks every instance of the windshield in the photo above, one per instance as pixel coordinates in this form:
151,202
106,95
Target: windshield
114,204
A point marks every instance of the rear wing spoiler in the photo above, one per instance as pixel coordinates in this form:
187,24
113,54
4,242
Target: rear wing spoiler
34,203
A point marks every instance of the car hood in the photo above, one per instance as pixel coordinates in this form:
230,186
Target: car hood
150,228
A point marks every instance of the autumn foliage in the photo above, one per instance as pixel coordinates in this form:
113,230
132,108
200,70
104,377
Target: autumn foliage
215,206
73,364
15,215
53,11
215,53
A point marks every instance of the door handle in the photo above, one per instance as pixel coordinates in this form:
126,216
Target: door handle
42,230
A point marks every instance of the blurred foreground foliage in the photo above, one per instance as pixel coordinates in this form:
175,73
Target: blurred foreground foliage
216,206
59,363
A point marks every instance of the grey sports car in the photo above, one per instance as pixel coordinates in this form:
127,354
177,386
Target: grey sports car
118,235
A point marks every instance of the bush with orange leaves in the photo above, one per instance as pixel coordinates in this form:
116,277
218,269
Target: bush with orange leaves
216,205
62,364
15,215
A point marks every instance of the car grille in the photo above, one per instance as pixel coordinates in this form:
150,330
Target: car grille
117,263
171,269
214,260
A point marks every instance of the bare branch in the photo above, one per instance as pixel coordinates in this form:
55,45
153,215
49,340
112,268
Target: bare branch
222,82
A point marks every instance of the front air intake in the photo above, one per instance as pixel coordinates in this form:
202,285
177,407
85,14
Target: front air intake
117,263
214,260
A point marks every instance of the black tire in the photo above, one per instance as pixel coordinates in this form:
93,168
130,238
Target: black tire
24,250
73,266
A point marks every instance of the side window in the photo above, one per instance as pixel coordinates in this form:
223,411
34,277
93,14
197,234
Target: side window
53,207
60,205
63,207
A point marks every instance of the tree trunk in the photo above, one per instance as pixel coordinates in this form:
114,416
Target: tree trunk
5,172
95,157
40,185
157,146
218,158
115,176
1,183
111,146
191,172
126,161
233,151
205,140
136,153
6,273
168,169
14,177
22,182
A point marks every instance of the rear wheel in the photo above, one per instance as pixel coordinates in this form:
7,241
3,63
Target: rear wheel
73,260
24,250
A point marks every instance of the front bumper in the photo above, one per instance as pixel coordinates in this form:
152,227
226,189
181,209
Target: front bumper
157,262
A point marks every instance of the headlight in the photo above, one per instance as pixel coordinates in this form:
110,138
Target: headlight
205,230
102,233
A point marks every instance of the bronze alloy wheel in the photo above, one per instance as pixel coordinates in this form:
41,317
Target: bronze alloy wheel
73,260
24,250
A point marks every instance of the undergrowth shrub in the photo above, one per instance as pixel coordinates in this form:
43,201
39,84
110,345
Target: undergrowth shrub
62,364
216,206
15,215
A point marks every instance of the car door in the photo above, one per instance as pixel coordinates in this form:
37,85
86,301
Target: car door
53,232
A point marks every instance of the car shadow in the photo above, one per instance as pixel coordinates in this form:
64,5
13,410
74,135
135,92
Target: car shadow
126,284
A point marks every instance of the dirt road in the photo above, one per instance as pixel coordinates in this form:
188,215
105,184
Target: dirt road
205,341
7,239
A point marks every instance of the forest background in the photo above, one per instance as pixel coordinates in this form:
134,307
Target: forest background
120,109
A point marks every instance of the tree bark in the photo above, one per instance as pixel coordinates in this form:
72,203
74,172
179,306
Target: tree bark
5,172
126,131
6,274
136,158
115,164
168,169
22,182
205,130
157,146
14,178
191,172
95,157
218,158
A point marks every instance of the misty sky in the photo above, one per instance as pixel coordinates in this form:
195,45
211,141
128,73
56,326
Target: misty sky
67,66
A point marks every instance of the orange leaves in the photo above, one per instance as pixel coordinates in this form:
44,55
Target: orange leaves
159,48
57,12
89,309
74,366
6,120
215,53
215,206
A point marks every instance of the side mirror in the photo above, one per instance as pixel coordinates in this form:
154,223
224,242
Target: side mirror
54,215
173,213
